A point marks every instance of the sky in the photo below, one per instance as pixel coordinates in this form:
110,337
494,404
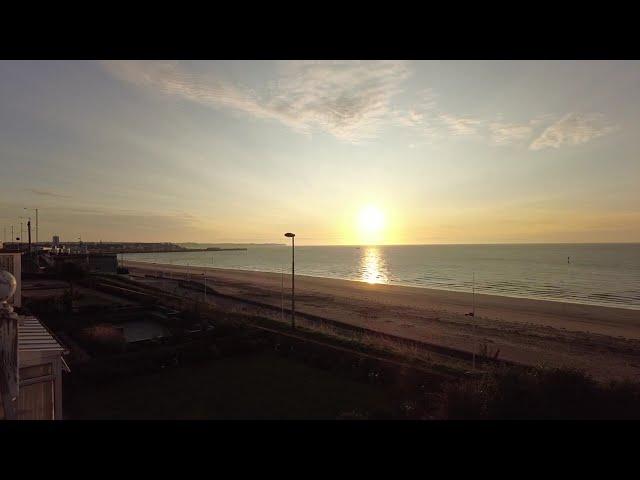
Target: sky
348,152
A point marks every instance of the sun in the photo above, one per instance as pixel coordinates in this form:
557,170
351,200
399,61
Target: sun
371,221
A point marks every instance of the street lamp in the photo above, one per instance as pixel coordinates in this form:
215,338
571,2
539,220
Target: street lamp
292,236
36,220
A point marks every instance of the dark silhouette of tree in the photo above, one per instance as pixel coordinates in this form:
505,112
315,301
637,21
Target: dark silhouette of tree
71,273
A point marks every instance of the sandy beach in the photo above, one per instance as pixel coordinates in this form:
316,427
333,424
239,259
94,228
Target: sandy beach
604,341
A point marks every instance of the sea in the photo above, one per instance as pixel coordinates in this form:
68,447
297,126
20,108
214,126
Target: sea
593,274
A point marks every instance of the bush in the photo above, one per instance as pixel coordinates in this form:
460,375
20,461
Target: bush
51,304
540,393
104,339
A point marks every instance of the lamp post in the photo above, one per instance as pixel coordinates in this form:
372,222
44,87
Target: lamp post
292,236
36,210
282,294
474,295
29,233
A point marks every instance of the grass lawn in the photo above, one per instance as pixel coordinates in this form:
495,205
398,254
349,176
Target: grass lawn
256,386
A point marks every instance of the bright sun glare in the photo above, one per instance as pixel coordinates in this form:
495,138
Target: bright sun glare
371,220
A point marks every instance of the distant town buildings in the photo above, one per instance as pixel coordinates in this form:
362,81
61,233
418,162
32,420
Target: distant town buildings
92,256
96,247
91,262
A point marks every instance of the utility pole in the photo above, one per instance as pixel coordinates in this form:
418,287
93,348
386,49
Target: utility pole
29,232
36,210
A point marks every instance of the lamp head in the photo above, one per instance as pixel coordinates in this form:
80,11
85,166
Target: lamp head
7,285
289,234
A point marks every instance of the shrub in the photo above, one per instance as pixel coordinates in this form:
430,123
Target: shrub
104,338
51,304
539,393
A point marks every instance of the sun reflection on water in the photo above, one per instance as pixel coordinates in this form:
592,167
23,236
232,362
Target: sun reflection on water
372,266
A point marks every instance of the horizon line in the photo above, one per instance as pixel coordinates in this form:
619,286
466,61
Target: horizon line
410,244
346,244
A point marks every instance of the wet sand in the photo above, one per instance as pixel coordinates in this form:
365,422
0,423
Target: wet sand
604,341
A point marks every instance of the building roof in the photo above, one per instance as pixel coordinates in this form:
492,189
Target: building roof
34,337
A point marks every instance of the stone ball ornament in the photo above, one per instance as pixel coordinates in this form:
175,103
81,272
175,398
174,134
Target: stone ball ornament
7,285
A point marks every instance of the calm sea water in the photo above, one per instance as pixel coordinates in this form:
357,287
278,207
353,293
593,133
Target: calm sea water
597,274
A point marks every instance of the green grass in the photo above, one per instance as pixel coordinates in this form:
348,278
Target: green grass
257,386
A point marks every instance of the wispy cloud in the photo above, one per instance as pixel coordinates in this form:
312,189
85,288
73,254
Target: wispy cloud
422,111
48,193
352,101
459,125
509,133
410,118
428,120
348,100
573,129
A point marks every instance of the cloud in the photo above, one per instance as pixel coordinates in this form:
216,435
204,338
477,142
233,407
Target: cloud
509,133
460,125
410,118
425,118
430,121
352,101
419,114
421,119
572,129
349,100
47,193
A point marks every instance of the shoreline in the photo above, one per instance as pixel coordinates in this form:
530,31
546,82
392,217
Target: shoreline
604,341
167,266
453,297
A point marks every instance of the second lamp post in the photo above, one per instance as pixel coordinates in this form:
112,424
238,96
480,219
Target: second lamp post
292,236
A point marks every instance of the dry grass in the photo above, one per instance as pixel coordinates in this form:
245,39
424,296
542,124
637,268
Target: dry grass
485,352
407,350
539,393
